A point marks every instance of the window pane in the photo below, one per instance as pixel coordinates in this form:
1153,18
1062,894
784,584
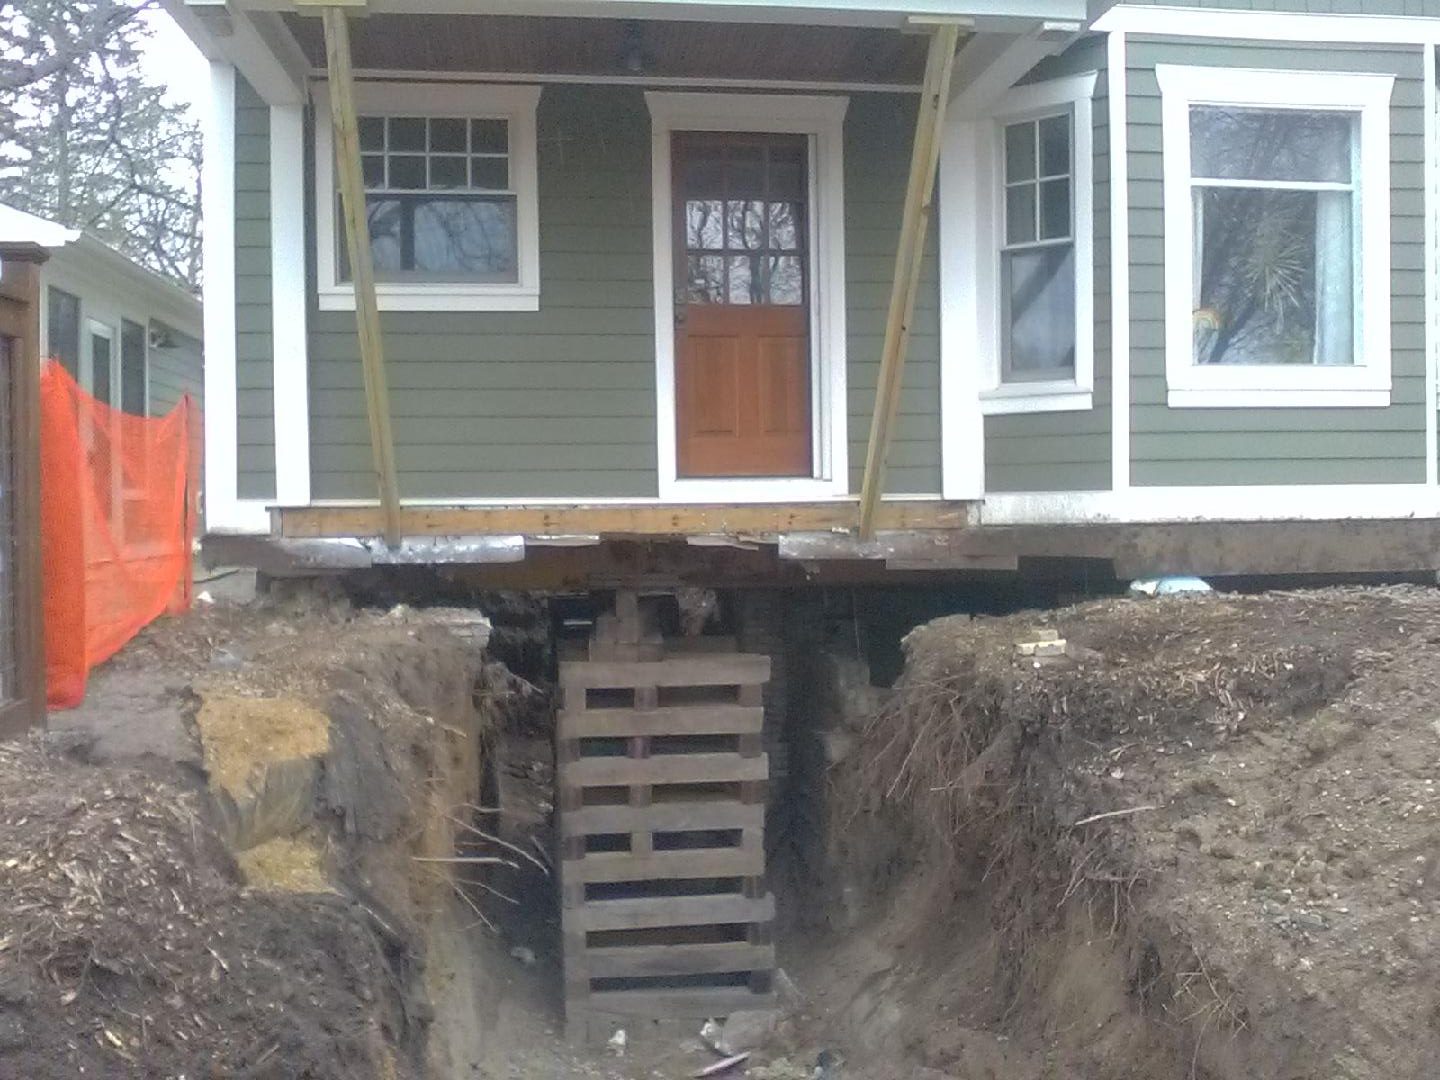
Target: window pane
447,172
132,367
1271,144
1038,290
1020,152
466,238
101,357
63,329
373,167
704,227
372,133
787,280
407,133
1275,277
490,173
407,171
745,284
744,224
422,238
706,279
1054,209
489,136
1020,214
447,134
784,226
1055,146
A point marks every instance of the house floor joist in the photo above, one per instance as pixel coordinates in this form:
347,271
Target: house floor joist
605,520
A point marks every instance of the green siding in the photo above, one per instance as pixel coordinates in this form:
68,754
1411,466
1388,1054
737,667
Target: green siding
1312,7
561,402
1067,451
254,367
1275,446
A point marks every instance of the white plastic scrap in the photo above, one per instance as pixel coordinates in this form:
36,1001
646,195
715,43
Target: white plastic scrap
1169,586
617,1042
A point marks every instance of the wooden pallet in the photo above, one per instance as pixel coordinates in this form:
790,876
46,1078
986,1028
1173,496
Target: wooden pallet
661,774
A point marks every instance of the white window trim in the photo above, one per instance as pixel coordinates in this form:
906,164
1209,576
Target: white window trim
516,104
1366,383
822,119
1023,103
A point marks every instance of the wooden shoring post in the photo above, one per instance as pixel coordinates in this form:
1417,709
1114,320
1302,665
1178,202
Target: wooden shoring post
919,194
362,268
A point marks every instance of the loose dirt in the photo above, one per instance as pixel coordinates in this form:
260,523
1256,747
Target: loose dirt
1201,842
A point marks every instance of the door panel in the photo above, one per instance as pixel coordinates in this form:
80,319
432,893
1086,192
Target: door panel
742,367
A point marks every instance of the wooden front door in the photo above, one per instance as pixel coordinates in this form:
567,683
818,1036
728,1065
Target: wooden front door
742,319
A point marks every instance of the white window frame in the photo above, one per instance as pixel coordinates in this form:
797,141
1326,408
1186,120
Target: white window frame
1366,382
822,118
513,103
1072,94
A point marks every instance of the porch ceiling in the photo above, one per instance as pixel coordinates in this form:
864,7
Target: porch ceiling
505,44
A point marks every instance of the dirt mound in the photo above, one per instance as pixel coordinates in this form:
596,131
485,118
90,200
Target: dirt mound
1187,837
130,947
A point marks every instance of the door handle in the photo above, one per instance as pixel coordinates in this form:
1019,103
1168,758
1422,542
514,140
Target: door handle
680,306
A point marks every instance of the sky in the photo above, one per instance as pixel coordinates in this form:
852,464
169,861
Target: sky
172,59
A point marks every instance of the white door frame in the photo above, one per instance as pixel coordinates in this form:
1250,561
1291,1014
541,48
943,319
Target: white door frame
822,118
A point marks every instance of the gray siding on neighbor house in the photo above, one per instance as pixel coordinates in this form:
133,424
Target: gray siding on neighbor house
254,362
1292,445
175,370
1067,451
561,402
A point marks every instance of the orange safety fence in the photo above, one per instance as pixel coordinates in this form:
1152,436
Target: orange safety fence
117,520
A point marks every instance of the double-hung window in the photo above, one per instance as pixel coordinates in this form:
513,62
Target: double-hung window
450,199
1276,190
1031,205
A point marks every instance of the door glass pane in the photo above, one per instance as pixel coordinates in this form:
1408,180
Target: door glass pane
745,224
745,171
703,224
706,279
745,283
1271,144
787,280
784,226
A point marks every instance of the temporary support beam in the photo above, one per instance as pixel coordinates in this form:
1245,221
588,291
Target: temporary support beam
362,268
919,193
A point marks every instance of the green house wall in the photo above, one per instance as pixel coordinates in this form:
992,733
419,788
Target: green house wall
254,366
1290,445
561,402
1067,451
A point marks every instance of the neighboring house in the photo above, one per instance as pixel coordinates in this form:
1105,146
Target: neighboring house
634,272
129,336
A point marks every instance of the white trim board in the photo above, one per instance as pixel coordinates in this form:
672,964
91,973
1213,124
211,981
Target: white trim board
822,119
513,103
656,82
1366,381
223,509
290,349
1157,505
1299,27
